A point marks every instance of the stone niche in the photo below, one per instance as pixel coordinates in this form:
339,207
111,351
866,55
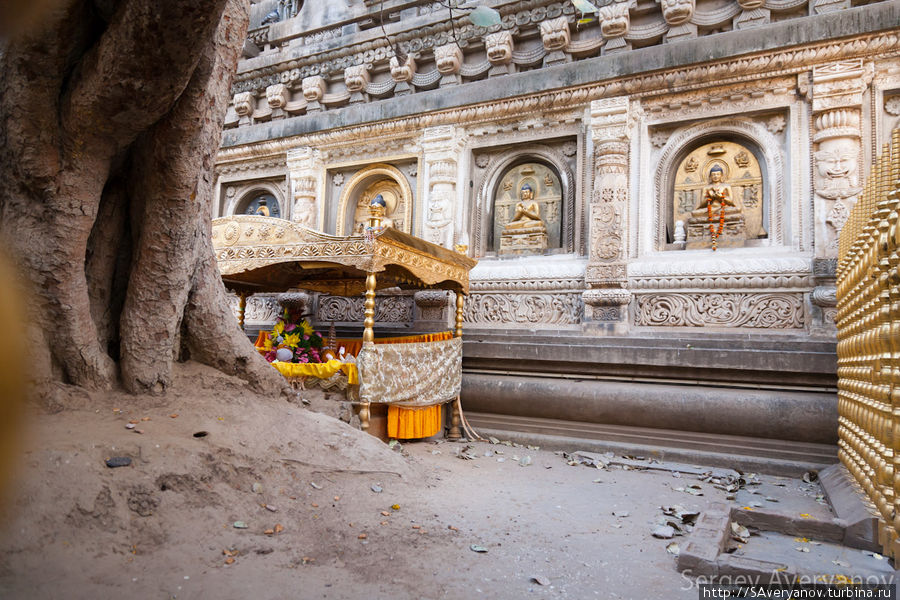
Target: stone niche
260,197
528,208
717,194
356,187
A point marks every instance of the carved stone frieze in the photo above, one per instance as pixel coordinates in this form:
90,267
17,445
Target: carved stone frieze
764,311
765,66
388,309
277,96
497,309
261,309
432,304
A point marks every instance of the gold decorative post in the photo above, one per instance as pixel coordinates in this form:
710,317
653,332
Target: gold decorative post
868,322
242,307
369,322
455,433
460,304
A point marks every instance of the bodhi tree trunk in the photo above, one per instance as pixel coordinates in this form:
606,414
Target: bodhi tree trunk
112,113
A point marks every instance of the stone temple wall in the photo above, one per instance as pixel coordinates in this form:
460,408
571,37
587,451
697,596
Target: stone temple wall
618,122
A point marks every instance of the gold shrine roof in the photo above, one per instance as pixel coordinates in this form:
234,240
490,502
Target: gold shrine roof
266,254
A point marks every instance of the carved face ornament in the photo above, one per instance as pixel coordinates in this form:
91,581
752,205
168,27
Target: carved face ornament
499,47
836,164
676,12
614,20
402,72
243,103
313,88
448,58
555,34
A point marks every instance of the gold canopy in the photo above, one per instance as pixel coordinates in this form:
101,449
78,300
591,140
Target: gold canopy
265,254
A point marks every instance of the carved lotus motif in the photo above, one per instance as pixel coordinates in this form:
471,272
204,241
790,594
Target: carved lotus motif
555,34
499,47
313,88
614,20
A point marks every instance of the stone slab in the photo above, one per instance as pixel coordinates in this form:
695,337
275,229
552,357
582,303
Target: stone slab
845,499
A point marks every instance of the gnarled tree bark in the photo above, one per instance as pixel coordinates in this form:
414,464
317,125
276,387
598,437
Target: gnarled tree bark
111,115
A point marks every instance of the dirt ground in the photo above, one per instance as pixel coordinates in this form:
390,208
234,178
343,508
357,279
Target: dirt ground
330,512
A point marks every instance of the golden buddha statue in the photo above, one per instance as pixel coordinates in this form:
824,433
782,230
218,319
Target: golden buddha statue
526,232
716,213
526,215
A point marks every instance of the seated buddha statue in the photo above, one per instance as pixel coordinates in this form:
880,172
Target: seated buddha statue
717,214
718,194
528,212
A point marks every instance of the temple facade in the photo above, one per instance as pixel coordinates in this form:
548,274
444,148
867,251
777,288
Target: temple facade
654,192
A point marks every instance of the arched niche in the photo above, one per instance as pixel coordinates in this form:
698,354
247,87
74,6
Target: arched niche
752,166
491,188
246,200
364,185
544,191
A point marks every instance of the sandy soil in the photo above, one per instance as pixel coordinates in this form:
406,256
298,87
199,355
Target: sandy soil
330,512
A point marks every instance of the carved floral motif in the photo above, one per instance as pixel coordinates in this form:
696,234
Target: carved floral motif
523,309
768,311
388,309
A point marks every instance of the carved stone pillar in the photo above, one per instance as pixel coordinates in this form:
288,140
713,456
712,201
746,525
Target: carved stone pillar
607,298
432,309
837,96
306,170
442,147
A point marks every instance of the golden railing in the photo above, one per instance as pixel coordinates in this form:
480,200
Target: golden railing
868,347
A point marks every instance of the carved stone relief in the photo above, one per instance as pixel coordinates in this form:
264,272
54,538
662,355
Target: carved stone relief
837,93
388,309
768,217
741,178
442,147
546,192
306,170
517,310
767,311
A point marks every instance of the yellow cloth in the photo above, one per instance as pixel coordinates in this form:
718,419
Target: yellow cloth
412,423
320,370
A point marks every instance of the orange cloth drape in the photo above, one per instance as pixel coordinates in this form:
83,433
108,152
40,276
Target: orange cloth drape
412,423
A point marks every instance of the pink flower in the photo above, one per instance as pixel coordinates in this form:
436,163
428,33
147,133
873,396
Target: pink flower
305,338
303,359
290,328
270,355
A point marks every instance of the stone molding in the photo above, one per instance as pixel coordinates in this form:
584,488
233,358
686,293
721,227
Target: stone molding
423,42
739,272
758,66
